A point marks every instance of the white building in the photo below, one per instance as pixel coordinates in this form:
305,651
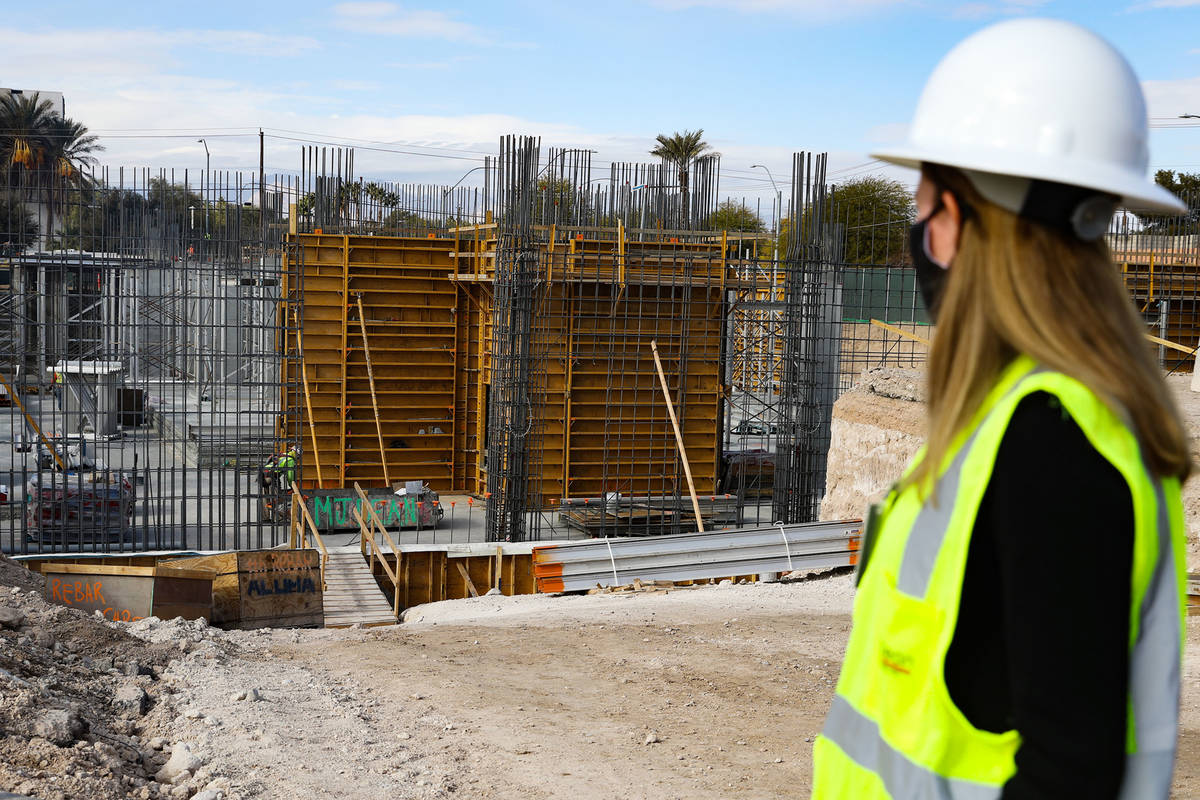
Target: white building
60,104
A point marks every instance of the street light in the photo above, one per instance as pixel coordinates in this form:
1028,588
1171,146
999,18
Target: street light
460,180
205,154
778,195
562,157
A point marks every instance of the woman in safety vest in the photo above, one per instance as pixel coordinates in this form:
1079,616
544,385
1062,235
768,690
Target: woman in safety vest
1019,616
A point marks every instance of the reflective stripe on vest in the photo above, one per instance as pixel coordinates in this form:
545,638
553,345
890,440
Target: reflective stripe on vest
1154,677
860,739
1154,680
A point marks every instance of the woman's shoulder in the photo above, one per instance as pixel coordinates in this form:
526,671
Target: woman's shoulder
1042,438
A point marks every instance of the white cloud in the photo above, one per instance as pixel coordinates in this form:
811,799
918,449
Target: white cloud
105,49
1164,4
147,94
1172,98
390,19
998,7
888,133
817,8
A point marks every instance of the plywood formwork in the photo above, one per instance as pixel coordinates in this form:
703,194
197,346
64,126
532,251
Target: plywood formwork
599,420
410,306
1165,287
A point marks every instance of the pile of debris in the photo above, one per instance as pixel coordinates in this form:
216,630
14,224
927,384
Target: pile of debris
75,692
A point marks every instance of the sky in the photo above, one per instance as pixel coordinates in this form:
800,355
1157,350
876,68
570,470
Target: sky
424,89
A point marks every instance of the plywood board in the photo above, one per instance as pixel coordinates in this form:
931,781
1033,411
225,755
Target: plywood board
264,588
130,593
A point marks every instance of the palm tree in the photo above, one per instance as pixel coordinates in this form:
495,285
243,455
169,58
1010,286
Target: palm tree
23,118
68,148
42,151
681,149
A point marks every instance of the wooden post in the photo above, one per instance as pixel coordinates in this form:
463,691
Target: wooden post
687,470
293,528
312,423
362,324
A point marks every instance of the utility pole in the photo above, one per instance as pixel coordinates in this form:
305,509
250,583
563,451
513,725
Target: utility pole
204,185
262,203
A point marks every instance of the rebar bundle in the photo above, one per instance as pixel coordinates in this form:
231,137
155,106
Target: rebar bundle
512,454
811,345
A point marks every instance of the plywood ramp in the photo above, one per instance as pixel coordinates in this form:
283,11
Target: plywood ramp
352,596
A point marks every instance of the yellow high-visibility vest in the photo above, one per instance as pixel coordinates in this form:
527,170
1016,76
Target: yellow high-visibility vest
893,730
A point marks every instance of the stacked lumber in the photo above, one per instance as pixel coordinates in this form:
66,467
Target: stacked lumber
642,516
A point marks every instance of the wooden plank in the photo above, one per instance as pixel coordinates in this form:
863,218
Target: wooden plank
32,423
312,425
374,400
1173,345
687,470
900,332
486,226
458,562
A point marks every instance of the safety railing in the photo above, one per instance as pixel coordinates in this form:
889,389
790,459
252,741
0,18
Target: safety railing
370,548
302,526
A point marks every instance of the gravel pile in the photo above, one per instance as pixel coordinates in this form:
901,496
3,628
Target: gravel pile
76,695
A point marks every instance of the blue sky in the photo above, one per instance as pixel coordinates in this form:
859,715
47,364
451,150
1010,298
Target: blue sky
442,82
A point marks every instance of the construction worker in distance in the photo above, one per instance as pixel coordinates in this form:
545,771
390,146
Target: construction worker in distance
275,484
1019,618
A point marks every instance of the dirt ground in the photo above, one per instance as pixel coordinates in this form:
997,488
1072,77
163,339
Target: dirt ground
712,692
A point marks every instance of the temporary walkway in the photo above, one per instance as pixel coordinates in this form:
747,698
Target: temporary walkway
352,595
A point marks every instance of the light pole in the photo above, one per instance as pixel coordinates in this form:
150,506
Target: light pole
206,180
562,157
460,180
778,196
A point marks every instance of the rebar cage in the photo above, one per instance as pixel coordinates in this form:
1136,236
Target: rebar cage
177,349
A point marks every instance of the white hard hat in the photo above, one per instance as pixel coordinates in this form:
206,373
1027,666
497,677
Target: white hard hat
1040,99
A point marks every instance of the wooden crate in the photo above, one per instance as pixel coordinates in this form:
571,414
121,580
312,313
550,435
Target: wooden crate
263,588
131,593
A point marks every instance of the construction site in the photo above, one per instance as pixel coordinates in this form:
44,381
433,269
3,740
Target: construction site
543,487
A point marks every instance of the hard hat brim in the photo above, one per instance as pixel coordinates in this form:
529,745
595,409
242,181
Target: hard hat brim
1137,193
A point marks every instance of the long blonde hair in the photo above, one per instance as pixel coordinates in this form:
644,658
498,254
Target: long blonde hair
1017,286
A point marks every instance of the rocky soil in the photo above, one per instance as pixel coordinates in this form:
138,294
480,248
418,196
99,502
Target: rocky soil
707,692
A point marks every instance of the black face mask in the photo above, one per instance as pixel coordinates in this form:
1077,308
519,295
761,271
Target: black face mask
931,275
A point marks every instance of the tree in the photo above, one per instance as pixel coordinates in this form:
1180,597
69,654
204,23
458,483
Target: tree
106,215
732,215
404,220
18,228
875,215
23,118
1187,186
42,152
681,149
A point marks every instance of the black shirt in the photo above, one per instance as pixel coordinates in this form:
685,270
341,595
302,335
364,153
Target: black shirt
1042,638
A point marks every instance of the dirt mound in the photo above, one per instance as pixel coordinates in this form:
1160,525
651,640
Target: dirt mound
13,574
877,428
74,694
